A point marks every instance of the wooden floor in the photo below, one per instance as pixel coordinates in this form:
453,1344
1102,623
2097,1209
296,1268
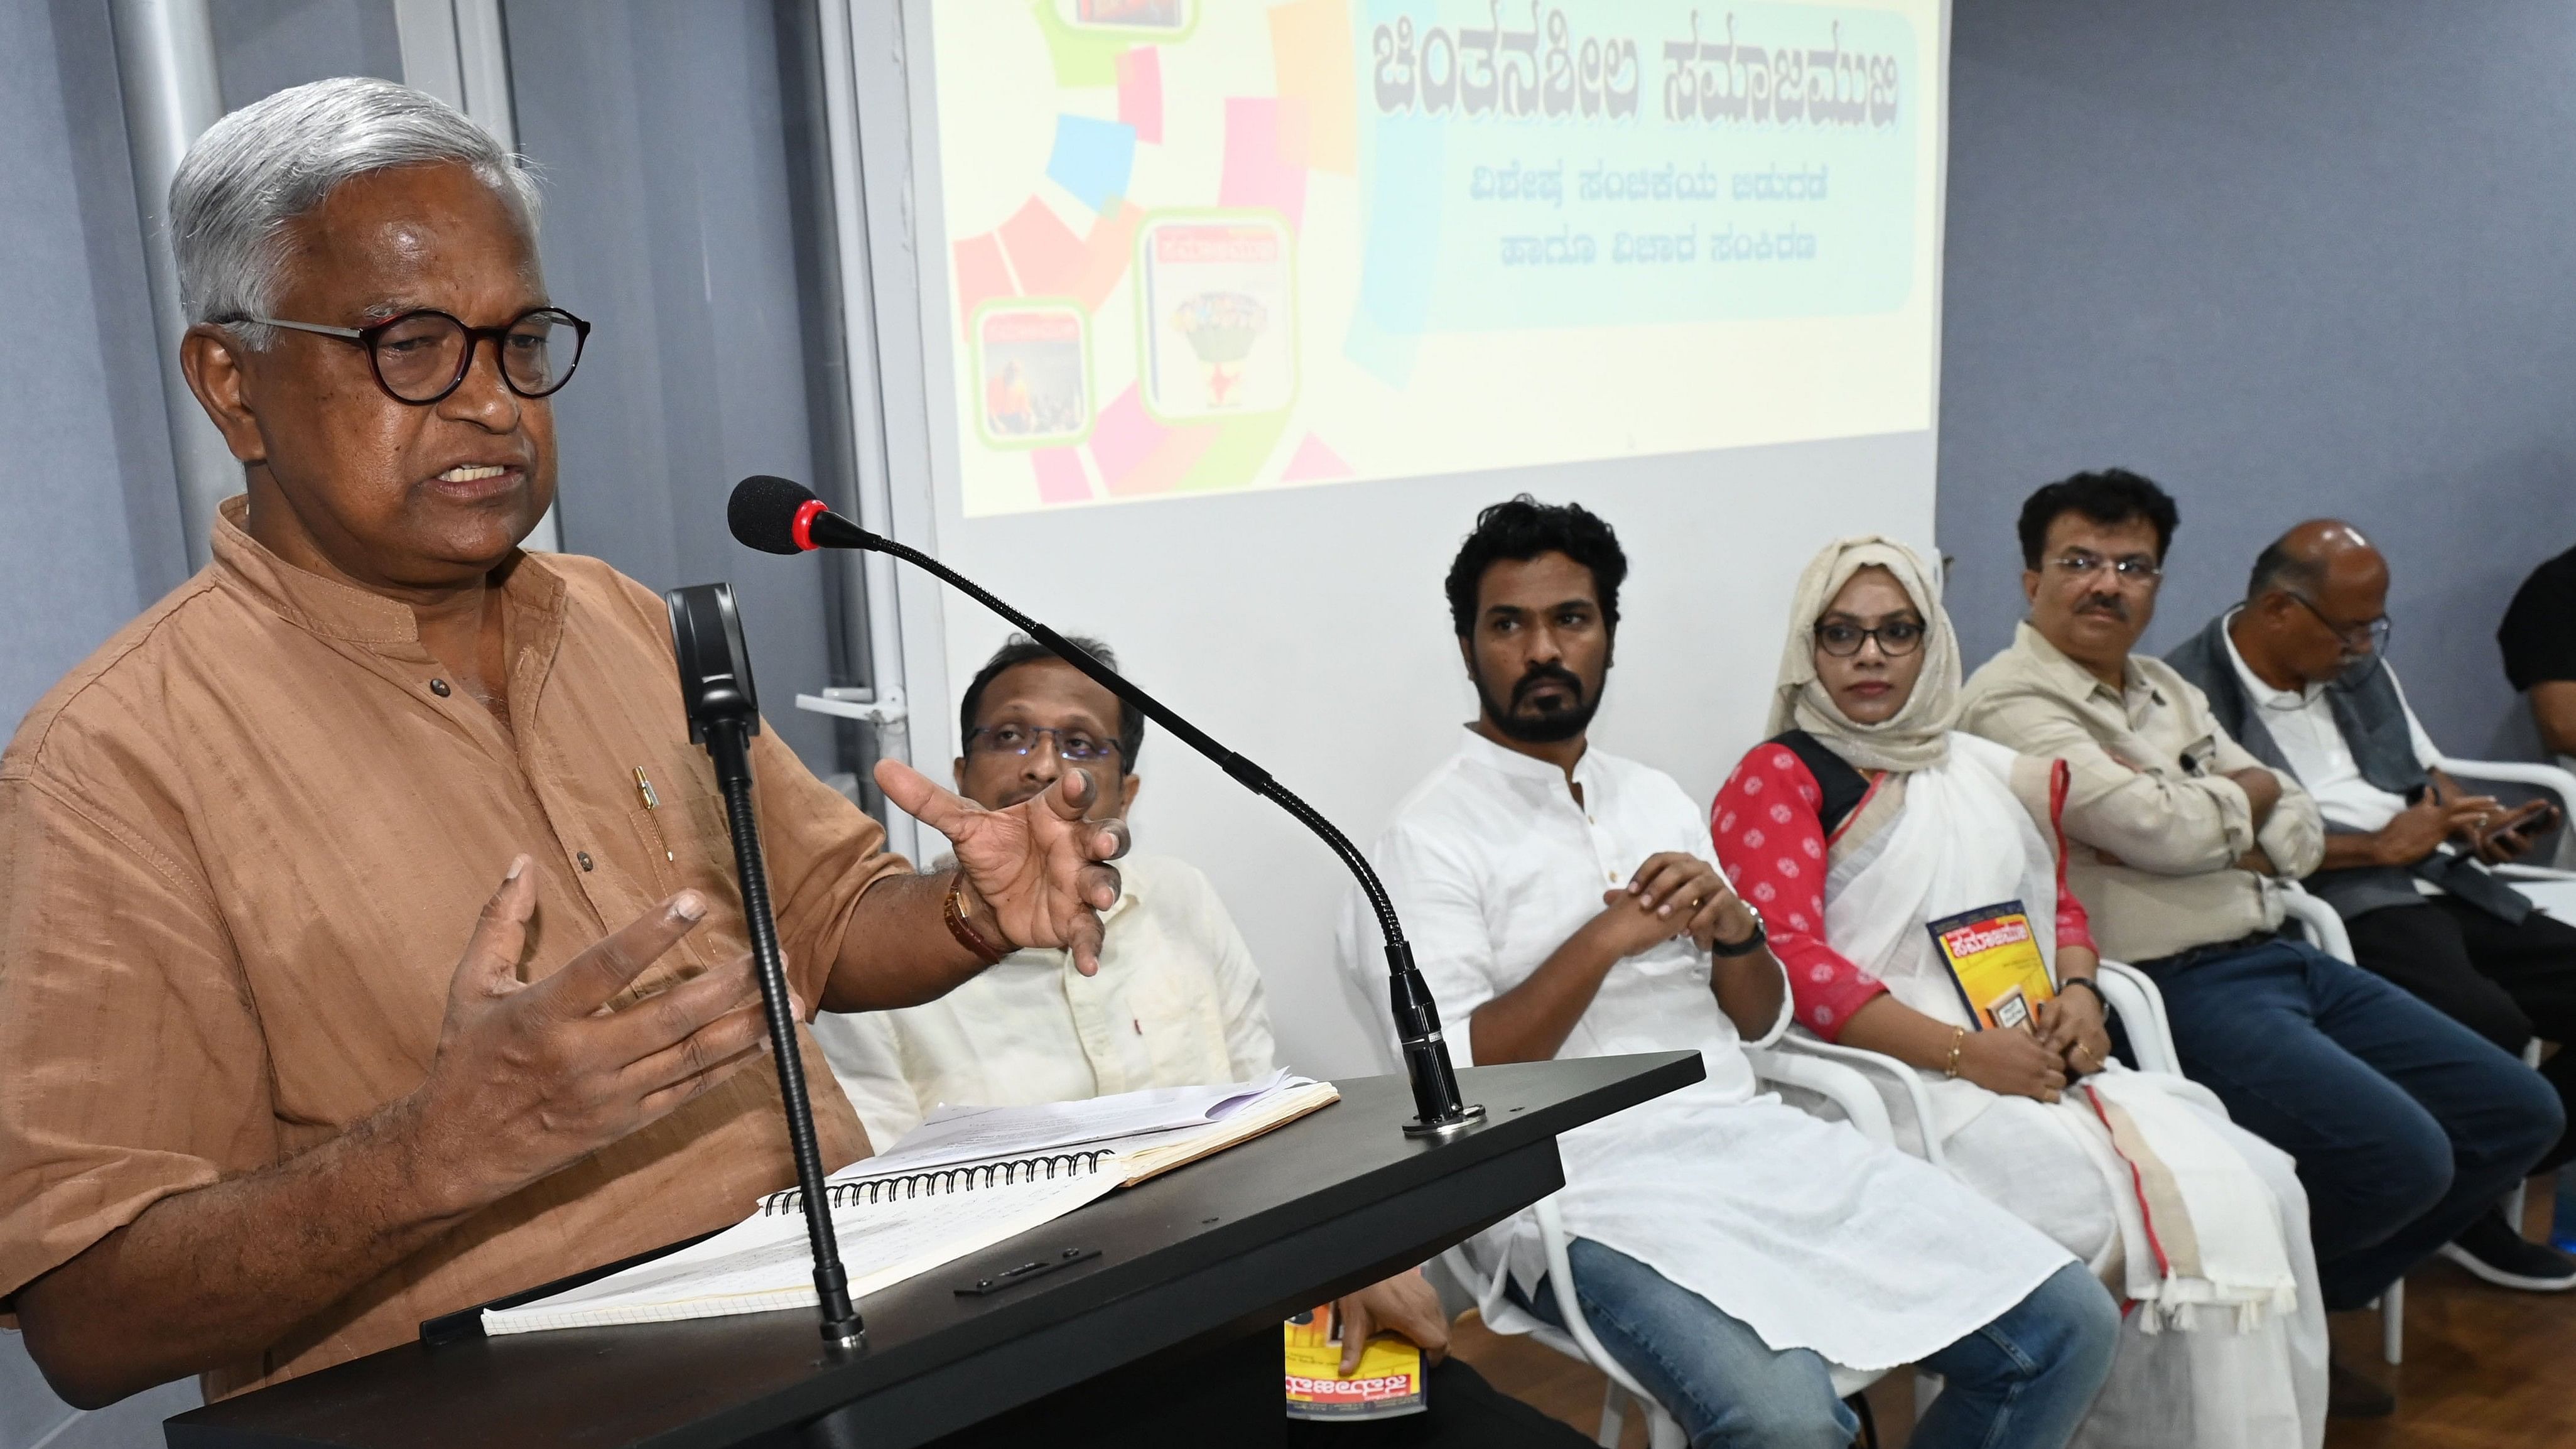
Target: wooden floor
2486,1368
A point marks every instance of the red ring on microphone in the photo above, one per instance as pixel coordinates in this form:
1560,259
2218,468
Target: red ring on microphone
801,529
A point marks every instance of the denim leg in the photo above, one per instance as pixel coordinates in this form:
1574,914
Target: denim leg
2025,1380
2404,1124
1729,1389
2499,1115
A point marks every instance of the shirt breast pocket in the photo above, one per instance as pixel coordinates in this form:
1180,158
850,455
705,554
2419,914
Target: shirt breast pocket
1176,1011
690,848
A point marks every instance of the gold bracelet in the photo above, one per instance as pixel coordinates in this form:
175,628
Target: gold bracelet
1958,1040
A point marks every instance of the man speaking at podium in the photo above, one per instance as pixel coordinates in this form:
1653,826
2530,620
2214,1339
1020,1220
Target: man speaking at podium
369,946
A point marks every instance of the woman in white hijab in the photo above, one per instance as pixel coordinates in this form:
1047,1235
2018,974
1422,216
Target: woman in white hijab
1868,822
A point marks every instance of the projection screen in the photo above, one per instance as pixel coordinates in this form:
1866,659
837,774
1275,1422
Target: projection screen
1199,247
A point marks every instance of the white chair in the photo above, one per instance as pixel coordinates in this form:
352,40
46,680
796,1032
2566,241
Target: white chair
2141,1005
2554,778
1838,1084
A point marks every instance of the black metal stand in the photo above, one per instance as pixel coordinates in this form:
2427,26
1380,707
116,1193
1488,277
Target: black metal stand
724,713
729,743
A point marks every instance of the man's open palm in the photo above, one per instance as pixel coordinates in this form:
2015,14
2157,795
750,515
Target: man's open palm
1039,865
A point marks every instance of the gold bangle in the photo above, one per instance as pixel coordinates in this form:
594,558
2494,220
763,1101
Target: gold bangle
1958,1040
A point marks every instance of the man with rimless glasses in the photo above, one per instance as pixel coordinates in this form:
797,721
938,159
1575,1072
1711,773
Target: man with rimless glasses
369,945
2405,1125
2299,673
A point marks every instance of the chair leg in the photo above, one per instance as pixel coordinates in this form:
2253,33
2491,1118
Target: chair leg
1927,1387
1614,1416
2392,1323
1868,1421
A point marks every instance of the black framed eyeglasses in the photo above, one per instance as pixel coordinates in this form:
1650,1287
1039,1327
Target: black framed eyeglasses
1070,744
420,357
2362,641
1896,638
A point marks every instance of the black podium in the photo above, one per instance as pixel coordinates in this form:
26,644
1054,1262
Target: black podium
1169,1335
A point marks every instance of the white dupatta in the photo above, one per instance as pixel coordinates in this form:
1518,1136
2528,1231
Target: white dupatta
2197,1227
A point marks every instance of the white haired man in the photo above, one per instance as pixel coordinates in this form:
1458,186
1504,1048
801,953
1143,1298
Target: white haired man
369,947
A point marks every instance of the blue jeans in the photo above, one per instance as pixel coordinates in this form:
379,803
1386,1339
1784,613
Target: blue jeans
2406,1125
2023,1380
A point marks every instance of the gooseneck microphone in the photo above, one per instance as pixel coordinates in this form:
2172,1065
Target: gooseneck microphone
776,515
724,713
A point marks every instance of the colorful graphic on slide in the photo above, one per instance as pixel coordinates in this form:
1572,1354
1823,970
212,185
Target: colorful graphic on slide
1195,247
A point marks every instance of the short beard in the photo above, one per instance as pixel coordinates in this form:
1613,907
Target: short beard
1554,727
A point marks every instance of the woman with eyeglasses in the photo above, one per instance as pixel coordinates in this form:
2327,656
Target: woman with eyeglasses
1909,877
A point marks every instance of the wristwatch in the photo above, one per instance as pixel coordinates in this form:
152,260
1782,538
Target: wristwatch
1749,944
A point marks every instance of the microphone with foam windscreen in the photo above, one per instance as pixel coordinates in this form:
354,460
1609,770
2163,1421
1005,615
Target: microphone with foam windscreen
776,515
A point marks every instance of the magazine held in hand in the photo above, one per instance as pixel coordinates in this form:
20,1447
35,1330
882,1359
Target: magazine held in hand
965,1179
1994,960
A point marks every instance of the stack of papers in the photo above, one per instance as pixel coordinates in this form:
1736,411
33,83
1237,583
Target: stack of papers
967,1178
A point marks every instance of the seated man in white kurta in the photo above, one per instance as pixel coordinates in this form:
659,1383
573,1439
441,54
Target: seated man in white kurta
1177,1002
1726,1248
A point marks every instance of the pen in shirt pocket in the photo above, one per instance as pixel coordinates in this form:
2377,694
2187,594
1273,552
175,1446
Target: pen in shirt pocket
644,792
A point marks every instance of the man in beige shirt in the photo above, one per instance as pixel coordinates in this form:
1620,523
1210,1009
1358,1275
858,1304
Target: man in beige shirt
368,940
2406,1125
1177,1002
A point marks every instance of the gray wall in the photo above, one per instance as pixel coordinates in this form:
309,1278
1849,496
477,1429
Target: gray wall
93,523
2288,258
659,133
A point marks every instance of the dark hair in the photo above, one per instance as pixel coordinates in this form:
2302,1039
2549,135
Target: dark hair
2276,567
2112,496
1020,649
1524,528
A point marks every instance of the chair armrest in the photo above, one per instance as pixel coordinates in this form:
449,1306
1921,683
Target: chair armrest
2323,926
1560,1281
2141,1005
2515,870
1820,1068
2516,772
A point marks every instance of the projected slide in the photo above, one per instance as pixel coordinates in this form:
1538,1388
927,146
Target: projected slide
1199,246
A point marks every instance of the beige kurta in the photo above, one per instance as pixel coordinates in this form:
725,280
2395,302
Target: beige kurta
241,849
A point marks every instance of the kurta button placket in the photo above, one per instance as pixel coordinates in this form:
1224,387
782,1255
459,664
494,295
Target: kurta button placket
438,687
584,858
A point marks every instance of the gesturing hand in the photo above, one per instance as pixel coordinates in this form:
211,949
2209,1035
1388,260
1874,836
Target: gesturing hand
2012,1062
529,1078
1406,1304
1037,865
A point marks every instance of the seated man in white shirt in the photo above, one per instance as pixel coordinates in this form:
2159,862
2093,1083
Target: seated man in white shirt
1726,1248
2299,675
1177,1002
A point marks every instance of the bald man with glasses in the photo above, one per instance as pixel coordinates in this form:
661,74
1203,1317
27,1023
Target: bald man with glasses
369,943
2299,673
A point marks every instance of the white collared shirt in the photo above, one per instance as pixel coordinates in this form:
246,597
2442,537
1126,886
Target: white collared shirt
1804,1229
1178,1002
2303,725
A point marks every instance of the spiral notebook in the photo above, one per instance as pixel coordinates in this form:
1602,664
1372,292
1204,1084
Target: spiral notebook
906,1213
